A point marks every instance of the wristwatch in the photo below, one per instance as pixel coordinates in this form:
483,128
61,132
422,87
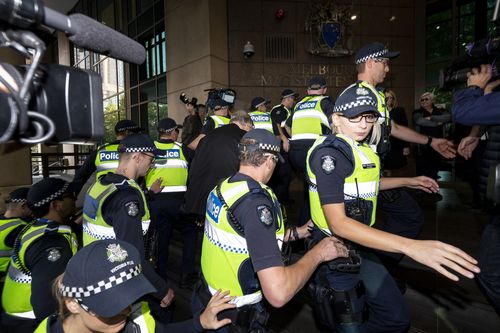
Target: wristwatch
429,141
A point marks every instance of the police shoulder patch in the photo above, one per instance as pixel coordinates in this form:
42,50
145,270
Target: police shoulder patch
53,255
265,215
328,164
132,208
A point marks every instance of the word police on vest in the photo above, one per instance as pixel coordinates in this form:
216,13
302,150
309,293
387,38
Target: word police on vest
169,153
307,105
108,156
260,118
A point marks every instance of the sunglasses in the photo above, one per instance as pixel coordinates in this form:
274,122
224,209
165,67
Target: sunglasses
370,118
424,99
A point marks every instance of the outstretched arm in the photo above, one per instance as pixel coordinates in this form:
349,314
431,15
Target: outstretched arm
421,183
437,255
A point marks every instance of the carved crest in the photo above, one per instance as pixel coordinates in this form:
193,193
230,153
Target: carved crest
328,25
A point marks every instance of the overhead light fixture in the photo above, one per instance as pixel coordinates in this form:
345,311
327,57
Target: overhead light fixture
437,27
353,17
392,18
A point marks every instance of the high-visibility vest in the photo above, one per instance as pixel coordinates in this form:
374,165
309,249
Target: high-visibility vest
308,118
219,120
362,183
261,120
106,159
17,289
6,226
224,249
94,225
171,166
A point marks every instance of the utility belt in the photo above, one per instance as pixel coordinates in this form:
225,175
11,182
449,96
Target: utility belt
349,264
333,307
251,318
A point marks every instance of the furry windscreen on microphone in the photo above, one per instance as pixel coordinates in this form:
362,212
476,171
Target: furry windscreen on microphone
99,38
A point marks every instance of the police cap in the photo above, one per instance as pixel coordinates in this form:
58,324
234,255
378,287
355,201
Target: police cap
264,140
127,124
355,100
289,93
317,82
258,101
167,125
47,190
105,277
19,195
137,143
374,50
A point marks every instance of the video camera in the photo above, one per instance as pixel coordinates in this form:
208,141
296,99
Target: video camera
485,51
216,94
184,99
48,102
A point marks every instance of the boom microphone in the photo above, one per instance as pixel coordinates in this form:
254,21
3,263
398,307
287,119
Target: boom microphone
80,29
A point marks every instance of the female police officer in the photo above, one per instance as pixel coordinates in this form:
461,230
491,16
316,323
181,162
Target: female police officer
344,178
99,286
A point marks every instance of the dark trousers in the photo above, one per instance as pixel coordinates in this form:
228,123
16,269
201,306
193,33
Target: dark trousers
404,217
298,155
489,262
165,213
280,180
387,310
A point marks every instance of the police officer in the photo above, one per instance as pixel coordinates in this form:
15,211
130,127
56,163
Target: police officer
85,307
243,234
40,254
171,167
343,173
405,218
308,121
260,117
280,181
115,208
219,118
105,158
11,223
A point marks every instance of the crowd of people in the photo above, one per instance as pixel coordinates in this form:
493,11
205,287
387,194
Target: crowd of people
106,270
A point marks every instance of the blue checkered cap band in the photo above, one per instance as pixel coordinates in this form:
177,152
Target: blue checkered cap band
375,55
269,147
138,150
361,102
103,285
52,196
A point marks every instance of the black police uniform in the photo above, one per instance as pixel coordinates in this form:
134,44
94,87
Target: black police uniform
262,246
297,155
127,224
165,213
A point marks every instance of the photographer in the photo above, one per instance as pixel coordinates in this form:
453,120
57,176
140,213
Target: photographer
479,105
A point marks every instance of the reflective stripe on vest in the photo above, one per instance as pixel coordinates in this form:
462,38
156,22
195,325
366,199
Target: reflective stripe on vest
261,120
171,166
142,317
223,249
94,226
16,293
220,121
6,227
106,159
362,183
308,118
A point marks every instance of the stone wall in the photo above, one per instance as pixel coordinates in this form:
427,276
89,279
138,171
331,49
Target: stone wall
263,75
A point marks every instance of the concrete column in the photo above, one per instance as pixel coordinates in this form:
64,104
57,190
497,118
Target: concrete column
197,50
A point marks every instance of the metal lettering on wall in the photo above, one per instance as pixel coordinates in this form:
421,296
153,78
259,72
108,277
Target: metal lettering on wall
300,74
